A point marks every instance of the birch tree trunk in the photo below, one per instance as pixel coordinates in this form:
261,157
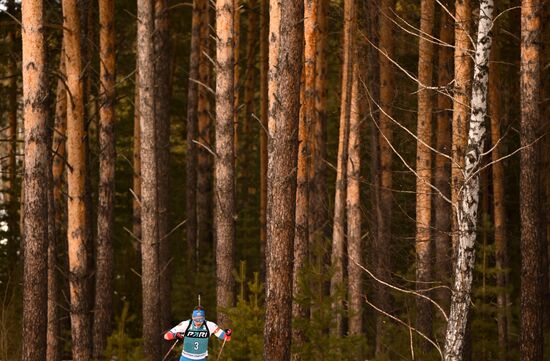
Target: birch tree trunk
339,226
285,66
149,187
469,199
224,193
499,209
107,157
532,287
442,171
77,230
35,246
423,243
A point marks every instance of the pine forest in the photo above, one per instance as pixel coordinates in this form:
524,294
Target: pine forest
279,180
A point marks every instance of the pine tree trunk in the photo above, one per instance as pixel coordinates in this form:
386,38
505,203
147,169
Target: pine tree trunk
285,66
424,172
236,77
501,239
162,115
77,230
461,96
191,135
204,158
467,208
107,157
264,66
442,171
353,201
36,165
224,194
53,352
384,211
338,230
149,186
136,176
532,288
300,311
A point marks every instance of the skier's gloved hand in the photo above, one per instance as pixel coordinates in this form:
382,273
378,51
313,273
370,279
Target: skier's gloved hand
179,335
228,333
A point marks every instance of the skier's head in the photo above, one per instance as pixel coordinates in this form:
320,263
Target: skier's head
198,316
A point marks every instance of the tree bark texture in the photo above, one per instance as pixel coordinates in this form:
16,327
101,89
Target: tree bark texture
353,207
461,96
264,69
300,311
149,187
423,245
285,66
339,226
442,169
469,199
77,229
236,75
107,158
532,287
499,210
162,118
224,193
384,212
192,134
35,245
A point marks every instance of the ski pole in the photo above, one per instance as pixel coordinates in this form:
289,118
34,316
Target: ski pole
171,348
220,354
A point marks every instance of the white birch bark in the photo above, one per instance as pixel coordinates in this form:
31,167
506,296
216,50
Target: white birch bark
467,208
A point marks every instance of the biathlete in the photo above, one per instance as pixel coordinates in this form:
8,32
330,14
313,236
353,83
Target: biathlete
195,334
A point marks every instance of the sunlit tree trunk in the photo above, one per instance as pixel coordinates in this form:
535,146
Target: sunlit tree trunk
300,310
499,210
353,207
107,157
442,169
264,66
224,193
423,243
36,165
162,118
469,199
461,96
77,230
285,66
53,352
384,211
149,186
338,230
532,287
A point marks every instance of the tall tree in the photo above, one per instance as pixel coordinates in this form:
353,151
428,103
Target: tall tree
499,209
53,352
107,157
423,243
35,245
461,96
353,208
285,66
532,287
236,74
224,161
301,235
469,199
442,169
136,165
264,70
77,228
384,212
149,187
339,226
162,118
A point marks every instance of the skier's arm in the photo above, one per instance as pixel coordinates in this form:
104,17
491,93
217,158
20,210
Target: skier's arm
176,332
218,332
